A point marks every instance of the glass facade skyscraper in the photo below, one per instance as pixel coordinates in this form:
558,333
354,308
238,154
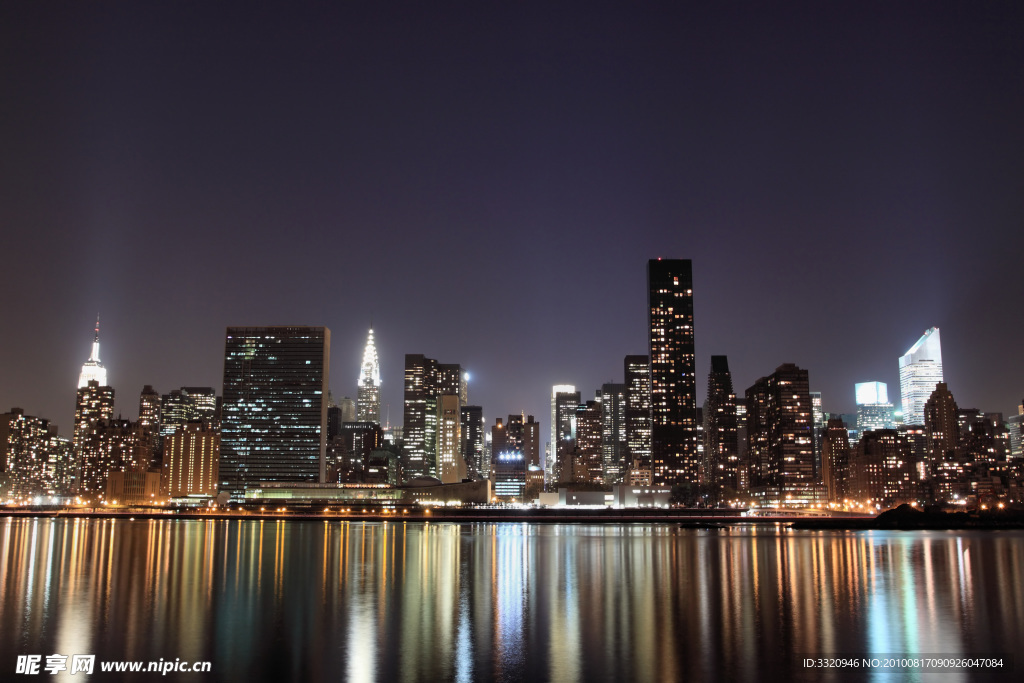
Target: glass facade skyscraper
274,414
920,371
675,454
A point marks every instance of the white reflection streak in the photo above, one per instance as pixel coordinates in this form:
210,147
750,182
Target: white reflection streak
464,645
362,641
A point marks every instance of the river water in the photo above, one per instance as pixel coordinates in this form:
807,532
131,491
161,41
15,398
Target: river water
297,601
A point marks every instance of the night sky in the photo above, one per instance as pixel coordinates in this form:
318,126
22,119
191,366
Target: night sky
486,184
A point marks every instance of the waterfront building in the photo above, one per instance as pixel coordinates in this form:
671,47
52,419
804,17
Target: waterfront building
637,374
472,433
587,465
835,461
425,381
720,446
25,455
188,404
126,487
780,439
564,400
93,404
348,452
675,454
92,369
191,461
274,416
451,466
881,473
368,391
920,371
113,445
818,418
614,443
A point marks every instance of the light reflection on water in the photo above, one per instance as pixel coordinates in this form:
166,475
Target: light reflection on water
273,600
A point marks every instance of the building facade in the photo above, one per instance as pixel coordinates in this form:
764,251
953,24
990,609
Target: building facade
920,371
675,456
368,390
274,416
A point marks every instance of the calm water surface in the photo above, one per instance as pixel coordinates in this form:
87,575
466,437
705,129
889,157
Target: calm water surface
423,602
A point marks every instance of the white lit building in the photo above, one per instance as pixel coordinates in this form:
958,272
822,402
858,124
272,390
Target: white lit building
92,369
920,371
368,396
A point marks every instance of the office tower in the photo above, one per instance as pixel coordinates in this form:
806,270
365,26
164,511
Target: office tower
818,418
614,446
25,454
780,438
274,415
835,461
675,456
984,440
472,431
879,472
93,404
920,371
1015,425
451,467
637,375
720,446
564,399
531,455
586,461
149,409
112,445
941,423
349,452
192,461
425,381
873,408
368,392
333,422
348,409
92,369
188,404
508,461
742,446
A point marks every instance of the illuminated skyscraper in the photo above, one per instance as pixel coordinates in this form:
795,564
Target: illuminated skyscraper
873,408
614,446
451,467
564,399
94,405
426,381
368,396
780,438
920,371
192,461
637,373
472,431
188,404
274,421
674,452
92,369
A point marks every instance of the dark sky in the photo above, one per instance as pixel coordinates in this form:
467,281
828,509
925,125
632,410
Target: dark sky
485,185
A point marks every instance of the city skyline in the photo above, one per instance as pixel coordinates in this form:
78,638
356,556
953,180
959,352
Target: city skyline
824,170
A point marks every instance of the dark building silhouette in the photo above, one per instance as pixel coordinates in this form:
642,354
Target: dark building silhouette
721,450
835,460
675,456
473,439
274,416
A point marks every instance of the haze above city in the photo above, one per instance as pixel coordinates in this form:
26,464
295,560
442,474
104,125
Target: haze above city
484,186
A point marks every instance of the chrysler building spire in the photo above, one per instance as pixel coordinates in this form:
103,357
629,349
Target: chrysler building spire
368,391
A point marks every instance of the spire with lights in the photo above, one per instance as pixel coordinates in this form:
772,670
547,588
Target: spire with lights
92,369
368,391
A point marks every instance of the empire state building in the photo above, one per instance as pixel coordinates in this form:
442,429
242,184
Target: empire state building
92,369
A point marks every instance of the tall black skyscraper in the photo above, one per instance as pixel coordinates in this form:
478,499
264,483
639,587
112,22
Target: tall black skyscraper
274,422
720,445
675,457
